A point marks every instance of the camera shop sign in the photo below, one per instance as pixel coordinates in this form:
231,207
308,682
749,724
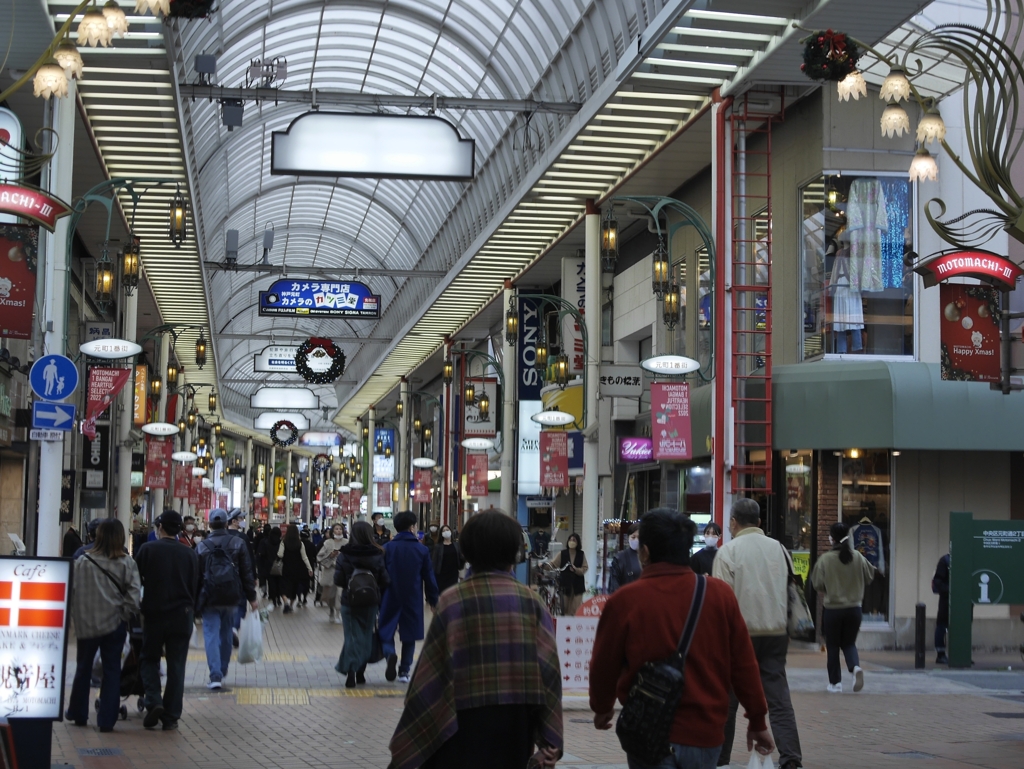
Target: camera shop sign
32,204
335,300
981,265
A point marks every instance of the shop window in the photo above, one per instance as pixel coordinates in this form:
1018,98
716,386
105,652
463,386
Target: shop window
696,497
866,508
798,510
857,298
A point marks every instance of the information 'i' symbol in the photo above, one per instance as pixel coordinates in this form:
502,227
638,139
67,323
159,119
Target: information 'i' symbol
984,589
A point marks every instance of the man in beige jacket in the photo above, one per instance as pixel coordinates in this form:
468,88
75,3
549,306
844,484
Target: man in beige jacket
757,568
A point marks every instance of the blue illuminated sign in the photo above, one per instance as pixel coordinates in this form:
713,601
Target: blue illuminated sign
349,299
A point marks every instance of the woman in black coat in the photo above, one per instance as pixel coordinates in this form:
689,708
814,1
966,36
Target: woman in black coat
296,569
360,622
266,553
702,560
447,560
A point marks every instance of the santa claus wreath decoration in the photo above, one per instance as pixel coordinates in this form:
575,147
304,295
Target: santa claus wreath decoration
829,55
319,361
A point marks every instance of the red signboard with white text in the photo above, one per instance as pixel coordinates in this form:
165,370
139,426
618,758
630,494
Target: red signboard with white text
158,462
969,333
554,459
422,479
32,204
670,420
476,474
981,265
182,481
105,383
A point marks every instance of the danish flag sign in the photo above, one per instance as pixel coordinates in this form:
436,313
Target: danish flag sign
34,595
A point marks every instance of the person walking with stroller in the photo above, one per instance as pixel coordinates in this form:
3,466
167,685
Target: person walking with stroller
226,577
360,572
106,592
170,575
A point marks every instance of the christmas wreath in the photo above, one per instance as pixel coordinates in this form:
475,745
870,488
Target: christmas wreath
319,347
321,463
191,9
284,424
829,55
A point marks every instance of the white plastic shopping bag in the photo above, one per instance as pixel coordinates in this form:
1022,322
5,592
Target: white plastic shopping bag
757,761
250,639
197,638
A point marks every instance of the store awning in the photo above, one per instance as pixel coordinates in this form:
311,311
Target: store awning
886,404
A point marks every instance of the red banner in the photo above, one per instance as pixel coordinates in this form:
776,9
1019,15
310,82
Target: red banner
104,385
195,490
982,265
158,462
383,494
476,474
423,478
969,333
354,498
19,247
670,420
32,204
182,481
554,459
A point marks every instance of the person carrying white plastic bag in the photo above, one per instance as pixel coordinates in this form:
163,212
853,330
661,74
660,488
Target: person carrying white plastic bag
250,639
759,761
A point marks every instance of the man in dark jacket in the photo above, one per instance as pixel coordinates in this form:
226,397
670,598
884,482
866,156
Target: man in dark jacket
940,586
410,569
226,575
381,533
626,563
170,577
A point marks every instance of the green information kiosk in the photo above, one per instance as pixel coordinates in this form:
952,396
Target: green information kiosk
986,566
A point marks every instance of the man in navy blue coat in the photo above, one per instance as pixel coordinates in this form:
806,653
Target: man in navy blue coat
409,566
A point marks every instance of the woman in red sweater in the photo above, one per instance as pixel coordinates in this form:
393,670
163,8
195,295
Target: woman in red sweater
643,621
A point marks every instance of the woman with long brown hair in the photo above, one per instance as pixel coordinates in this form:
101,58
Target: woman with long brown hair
107,590
295,566
359,562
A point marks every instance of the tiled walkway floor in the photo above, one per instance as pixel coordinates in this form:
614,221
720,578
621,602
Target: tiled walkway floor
292,710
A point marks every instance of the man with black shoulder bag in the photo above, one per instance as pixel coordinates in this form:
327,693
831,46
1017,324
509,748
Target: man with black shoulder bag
670,647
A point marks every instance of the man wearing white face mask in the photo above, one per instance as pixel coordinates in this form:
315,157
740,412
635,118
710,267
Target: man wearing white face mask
431,537
626,563
188,532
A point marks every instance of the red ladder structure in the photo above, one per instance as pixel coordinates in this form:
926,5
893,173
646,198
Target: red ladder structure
751,298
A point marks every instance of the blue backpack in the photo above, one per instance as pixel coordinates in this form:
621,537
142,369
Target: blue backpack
221,583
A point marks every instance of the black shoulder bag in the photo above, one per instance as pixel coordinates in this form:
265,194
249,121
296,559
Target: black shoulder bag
646,719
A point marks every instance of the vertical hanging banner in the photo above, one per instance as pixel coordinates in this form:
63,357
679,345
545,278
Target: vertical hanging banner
67,496
182,481
96,459
573,291
476,474
195,490
383,496
670,420
19,246
141,400
554,459
528,379
969,333
105,383
158,462
384,467
422,478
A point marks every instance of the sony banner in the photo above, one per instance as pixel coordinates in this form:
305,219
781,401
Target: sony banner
528,378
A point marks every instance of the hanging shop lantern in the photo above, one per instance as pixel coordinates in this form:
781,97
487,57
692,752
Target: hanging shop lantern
366,432
172,374
155,386
561,370
195,450
104,280
70,60
670,306
130,265
511,323
387,452
541,359
193,415
178,219
201,351
417,425
380,446
448,371
660,270
470,392
609,242
94,30
217,429
182,425
399,408
213,402
427,433
202,442
484,406
50,80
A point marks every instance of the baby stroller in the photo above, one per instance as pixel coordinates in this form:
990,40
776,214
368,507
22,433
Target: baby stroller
131,677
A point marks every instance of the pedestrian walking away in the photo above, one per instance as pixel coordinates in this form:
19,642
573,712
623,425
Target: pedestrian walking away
940,586
703,560
106,593
626,563
643,622
757,568
296,569
842,574
411,572
169,572
266,555
447,559
326,561
487,691
237,528
225,579
361,574
572,565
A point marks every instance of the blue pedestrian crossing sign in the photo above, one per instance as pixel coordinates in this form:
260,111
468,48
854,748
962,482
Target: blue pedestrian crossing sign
53,377
52,416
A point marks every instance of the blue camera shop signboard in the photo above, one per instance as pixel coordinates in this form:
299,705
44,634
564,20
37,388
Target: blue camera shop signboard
349,299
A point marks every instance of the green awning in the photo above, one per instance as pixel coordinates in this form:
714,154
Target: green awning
887,404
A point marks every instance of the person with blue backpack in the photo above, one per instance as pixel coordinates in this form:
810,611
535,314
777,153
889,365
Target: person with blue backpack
225,577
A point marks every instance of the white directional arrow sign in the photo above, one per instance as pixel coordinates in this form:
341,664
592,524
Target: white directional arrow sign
58,416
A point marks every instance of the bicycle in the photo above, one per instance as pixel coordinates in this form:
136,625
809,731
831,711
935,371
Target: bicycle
548,588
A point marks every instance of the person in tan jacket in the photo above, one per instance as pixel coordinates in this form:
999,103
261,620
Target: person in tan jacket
325,561
757,568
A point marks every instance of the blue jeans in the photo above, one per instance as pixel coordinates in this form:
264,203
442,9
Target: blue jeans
217,626
682,757
110,646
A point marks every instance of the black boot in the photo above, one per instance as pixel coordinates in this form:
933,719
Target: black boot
350,681
361,675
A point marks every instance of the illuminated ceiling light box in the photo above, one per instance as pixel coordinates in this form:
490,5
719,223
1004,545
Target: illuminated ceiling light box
332,440
377,146
284,398
268,419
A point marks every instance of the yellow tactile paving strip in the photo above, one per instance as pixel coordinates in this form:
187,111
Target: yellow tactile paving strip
199,656
272,696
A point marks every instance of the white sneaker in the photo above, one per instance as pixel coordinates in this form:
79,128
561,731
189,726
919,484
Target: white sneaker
404,679
858,674
835,688
213,685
